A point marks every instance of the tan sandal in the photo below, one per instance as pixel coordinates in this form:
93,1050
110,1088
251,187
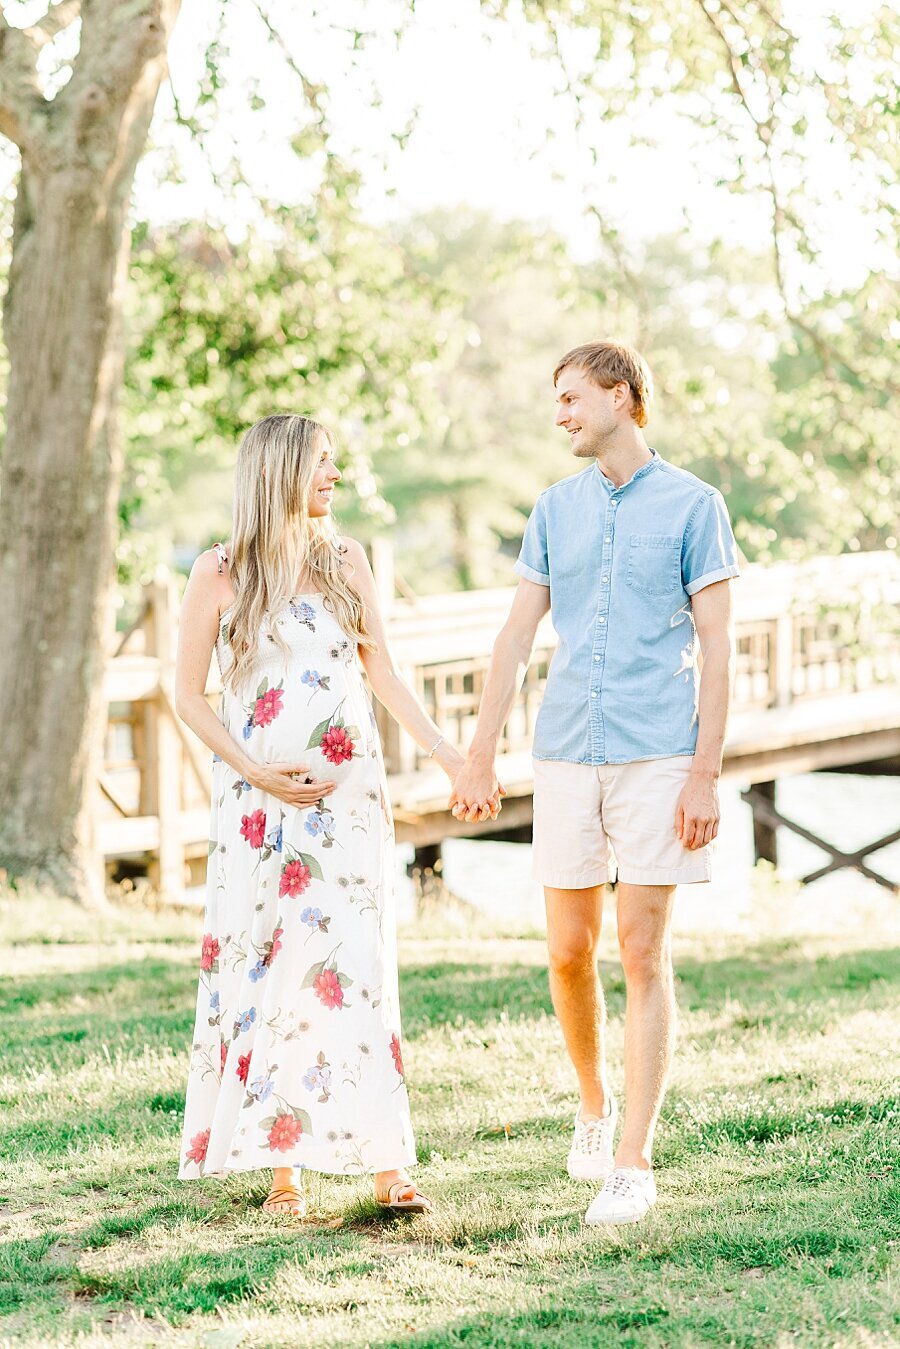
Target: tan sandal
419,1203
285,1199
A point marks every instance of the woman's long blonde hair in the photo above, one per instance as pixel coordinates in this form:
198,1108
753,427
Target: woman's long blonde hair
275,541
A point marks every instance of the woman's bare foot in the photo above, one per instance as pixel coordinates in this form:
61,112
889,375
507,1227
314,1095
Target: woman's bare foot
285,1196
395,1191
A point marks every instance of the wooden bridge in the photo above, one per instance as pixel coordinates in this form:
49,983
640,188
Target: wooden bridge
817,687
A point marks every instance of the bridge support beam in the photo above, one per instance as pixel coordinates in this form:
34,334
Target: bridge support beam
766,812
765,833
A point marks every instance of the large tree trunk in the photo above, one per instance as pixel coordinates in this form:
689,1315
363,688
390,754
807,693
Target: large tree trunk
61,466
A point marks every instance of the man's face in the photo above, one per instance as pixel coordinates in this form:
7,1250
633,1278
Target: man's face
589,414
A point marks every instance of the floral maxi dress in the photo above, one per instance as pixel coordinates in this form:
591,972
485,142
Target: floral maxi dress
296,1057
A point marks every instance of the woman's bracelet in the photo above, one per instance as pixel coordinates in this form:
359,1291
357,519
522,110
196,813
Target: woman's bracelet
436,746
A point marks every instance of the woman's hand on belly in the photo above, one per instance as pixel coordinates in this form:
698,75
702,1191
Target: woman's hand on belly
290,782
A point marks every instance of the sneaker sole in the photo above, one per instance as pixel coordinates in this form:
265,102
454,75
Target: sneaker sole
615,1222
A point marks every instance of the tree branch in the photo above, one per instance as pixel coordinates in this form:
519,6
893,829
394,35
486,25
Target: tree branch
58,17
825,349
21,102
311,92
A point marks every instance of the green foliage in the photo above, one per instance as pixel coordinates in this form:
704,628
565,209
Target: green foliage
429,346
312,311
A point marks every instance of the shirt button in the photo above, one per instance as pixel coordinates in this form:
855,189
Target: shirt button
593,693
605,580
601,619
615,503
608,539
597,659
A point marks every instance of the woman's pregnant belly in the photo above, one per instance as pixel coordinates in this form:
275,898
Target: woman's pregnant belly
328,729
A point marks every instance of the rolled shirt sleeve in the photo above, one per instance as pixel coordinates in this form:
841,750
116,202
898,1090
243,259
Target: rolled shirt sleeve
709,552
533,562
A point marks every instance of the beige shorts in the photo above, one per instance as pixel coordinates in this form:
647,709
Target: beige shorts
582,809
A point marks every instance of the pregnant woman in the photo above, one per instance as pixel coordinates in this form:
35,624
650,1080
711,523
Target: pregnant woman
296,1059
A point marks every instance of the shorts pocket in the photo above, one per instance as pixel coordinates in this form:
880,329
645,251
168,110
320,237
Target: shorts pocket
654,563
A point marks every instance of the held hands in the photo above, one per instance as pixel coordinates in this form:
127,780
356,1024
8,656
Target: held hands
476,792
290,782
697,812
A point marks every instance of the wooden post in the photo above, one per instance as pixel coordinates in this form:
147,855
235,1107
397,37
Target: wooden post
163,769
765,834
425,871
382,551
781,675
426,858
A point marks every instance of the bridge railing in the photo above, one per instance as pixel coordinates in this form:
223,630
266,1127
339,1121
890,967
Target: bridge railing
804,631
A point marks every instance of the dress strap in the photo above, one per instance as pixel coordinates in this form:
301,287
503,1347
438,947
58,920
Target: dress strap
221,555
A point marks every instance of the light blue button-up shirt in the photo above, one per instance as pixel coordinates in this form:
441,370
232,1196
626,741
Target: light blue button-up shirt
621,564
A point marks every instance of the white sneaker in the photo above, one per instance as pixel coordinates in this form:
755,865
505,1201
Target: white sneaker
627,1195
591,1153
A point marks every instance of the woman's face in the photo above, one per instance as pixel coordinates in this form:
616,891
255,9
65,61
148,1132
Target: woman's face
324,479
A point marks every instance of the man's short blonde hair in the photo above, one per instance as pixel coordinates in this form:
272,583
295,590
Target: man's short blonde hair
612,363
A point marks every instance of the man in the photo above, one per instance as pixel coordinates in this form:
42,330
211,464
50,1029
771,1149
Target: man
634,558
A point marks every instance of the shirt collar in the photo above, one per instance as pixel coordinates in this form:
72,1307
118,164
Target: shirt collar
611,488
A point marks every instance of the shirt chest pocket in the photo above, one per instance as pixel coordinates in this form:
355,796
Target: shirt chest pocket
654,563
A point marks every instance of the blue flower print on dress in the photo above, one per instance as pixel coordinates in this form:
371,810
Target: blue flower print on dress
273,838
241,785
261,1088
247,730
305,614
214,1001
258,972
315,920
245,1020
321,821
315,681
318,1077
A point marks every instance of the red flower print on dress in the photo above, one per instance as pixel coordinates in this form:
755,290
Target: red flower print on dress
327,988
396,1051
197,1151
209,953
253,828
267,707
243,1067
275,947
337,745
263,709
327,981
295,878
284,1133
224,1055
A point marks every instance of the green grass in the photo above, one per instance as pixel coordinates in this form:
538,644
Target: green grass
777,1156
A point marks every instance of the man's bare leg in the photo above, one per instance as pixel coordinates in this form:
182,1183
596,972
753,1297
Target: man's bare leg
645,943
573,931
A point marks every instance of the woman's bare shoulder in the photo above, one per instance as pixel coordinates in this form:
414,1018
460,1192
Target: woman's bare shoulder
354,560
210,577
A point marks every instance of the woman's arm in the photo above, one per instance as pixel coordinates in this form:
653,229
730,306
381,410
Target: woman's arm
388,685
206,597
505,676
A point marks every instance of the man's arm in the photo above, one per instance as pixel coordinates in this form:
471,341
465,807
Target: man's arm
697,813
477,781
